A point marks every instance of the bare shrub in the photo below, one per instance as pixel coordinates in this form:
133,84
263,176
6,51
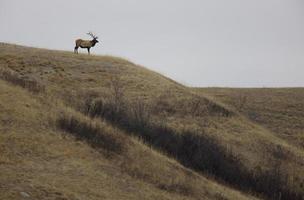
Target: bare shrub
139,113
118,90
116,108
111,106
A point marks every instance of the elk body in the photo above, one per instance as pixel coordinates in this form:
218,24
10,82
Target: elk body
88,44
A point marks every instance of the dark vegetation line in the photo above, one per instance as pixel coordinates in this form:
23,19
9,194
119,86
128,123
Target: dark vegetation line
92,133
194,150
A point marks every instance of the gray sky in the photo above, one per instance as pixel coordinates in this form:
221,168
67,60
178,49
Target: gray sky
235,43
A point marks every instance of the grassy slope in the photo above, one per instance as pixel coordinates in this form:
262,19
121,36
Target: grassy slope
41,160
73,78
280,110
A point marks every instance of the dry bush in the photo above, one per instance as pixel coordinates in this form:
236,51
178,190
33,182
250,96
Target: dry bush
117,89
16,79
106,108
111,106
139,113
116,108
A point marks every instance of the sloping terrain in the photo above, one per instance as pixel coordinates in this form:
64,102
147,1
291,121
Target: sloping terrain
44,162
280,110
121,113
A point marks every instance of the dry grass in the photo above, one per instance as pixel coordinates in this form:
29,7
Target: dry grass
280,110
91,132
25,82
40,159
203,134
193,148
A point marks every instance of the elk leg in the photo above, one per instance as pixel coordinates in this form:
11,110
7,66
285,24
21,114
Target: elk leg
76,50
89,51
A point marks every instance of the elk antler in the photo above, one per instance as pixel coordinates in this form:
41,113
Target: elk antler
92,35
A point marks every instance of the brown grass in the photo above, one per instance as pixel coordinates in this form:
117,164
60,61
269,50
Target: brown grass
204,134
280,110
194,149
14,78
47,163
93,133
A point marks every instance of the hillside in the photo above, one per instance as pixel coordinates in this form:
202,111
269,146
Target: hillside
280,110
120,131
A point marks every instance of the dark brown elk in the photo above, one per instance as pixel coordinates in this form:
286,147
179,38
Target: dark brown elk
86,43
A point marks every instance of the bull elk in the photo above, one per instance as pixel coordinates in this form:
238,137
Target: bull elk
86,43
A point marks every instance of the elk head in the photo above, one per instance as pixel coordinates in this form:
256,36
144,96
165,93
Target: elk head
94,40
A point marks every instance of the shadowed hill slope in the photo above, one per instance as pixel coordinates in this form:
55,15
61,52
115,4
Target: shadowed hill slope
202,134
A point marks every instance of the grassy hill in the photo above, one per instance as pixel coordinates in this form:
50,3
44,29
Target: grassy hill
280,110
91,127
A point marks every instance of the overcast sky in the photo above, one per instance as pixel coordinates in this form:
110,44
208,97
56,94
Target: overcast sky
227,43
